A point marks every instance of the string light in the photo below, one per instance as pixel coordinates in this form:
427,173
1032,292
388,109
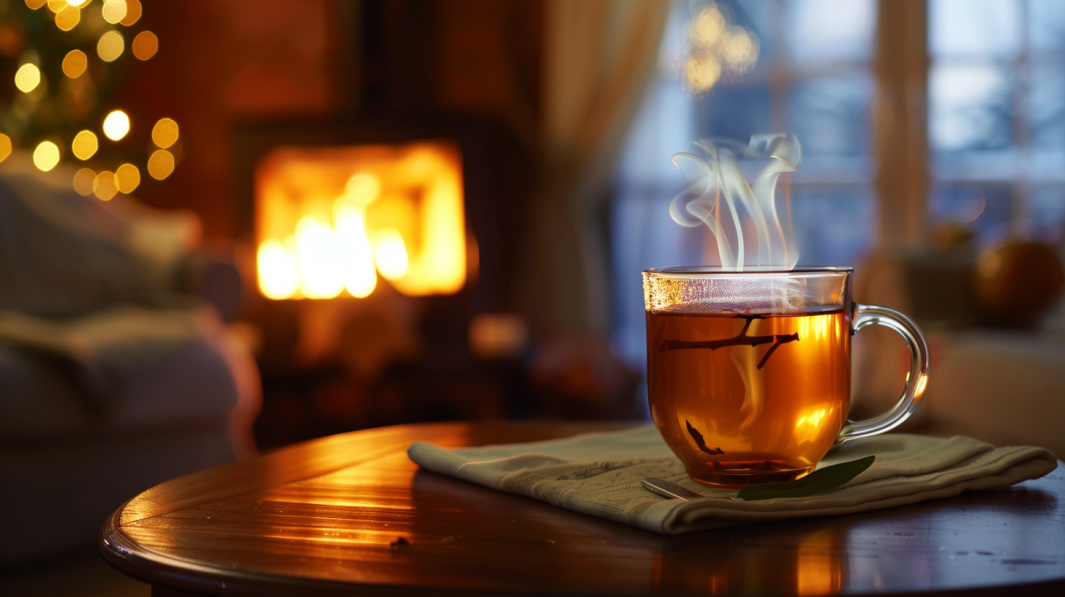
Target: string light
110,46
103,186
127,178
5,146
83,181
145,45
84,145
161,164
165,133
46,156
27,78
133,12
114,11
116,125
75,63
68,18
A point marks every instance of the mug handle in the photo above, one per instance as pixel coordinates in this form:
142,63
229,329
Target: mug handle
916,379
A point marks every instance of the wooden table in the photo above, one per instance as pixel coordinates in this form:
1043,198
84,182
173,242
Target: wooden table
351,514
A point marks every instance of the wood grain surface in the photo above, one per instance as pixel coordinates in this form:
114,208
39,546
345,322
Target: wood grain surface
350,514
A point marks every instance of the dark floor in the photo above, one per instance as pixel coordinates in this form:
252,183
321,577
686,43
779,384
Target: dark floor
83,573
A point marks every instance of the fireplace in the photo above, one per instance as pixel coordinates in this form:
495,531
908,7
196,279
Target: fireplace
382,246
331,220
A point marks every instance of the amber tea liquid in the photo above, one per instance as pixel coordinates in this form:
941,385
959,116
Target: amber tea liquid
749,398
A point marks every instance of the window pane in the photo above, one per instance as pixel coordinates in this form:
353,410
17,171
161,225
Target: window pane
978,28
830,115
1046,213
1047,21
662,127
969,108
644,237
733,111
1046,107
756,17
831,30
832,226
987,208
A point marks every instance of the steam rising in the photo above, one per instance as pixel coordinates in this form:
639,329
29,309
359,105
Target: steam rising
720,197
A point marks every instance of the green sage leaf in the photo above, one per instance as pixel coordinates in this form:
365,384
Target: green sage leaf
815,483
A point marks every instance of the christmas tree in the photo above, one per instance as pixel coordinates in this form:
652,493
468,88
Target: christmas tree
60,61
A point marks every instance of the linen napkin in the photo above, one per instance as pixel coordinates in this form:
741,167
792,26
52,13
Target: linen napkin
600,474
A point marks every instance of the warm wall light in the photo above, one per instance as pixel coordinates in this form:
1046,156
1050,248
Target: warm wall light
75,63
110,46
145,45
27,77
84,145
116,125
46,156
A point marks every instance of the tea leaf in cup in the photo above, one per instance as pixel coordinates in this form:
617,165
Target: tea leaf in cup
815,483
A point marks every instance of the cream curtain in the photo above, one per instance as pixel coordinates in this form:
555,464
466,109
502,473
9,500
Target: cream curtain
600,57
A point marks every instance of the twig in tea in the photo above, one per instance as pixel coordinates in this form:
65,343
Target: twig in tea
699,441
740,340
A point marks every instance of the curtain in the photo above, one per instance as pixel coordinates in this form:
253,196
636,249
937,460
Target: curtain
599,59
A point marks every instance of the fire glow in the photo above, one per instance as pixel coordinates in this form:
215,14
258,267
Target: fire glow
330,220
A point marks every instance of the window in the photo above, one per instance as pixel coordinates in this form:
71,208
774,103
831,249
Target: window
997,115
813,77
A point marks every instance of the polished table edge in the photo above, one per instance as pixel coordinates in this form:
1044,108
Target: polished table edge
170,572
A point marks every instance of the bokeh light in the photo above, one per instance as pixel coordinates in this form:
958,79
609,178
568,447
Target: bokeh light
133,12
161,164
103,186
57,5
110,46
165,133
702,71
76,2
127,178
740,49
114,11
145,45
83,181
35,4
116,125
707,27
68,18
75,63
46,156
27,78
84,145
5,146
